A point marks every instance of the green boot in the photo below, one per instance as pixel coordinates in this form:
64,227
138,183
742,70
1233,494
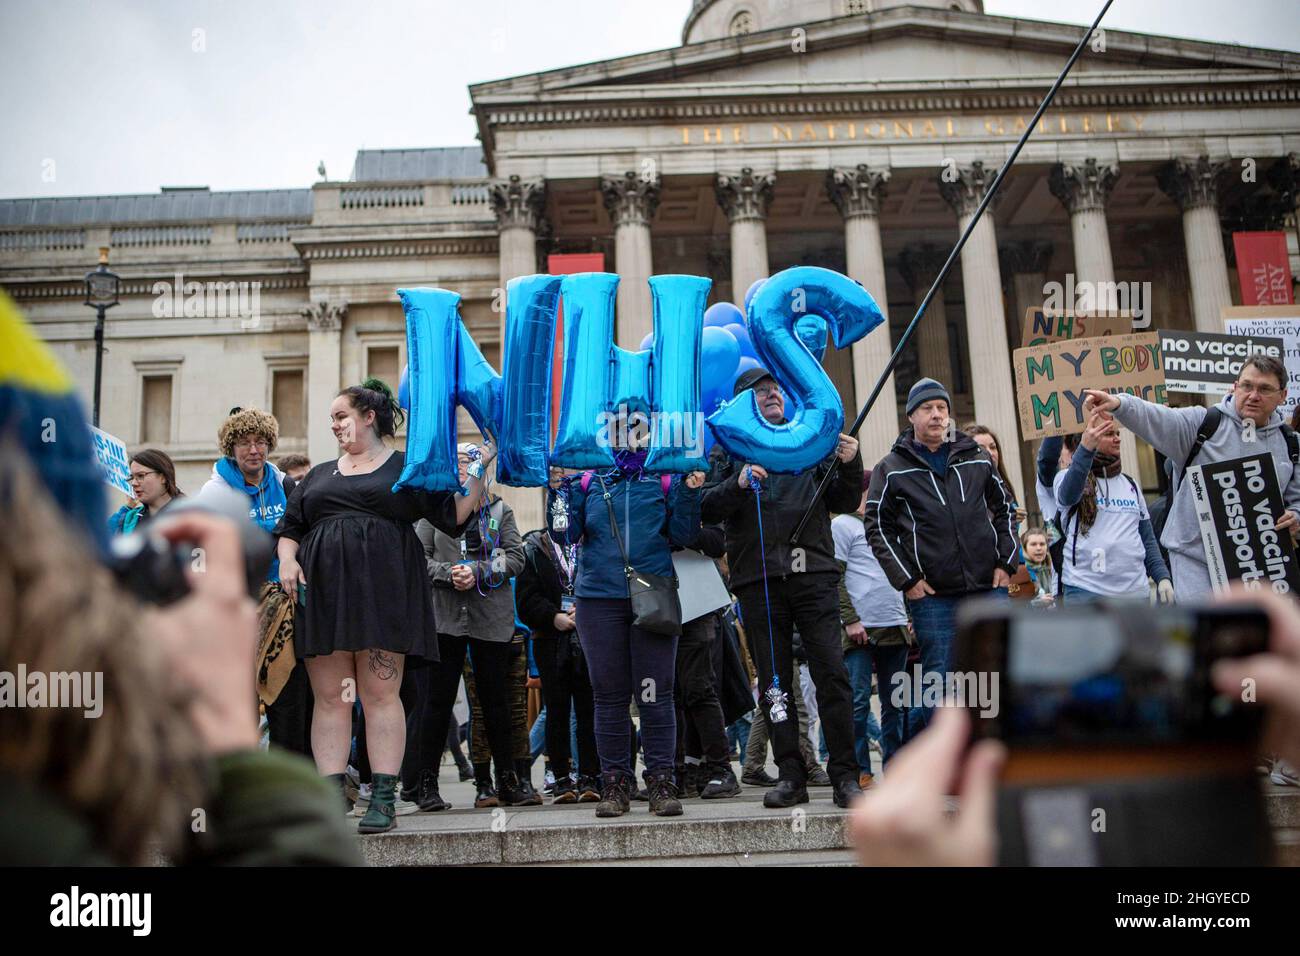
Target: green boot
381,815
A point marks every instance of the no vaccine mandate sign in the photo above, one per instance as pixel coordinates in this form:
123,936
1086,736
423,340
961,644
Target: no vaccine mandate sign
1237,504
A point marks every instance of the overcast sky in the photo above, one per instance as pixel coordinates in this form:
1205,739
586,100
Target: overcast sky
117,96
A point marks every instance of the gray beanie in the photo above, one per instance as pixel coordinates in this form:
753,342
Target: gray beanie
925,390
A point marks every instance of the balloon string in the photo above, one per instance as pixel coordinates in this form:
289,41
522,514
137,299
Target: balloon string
762,560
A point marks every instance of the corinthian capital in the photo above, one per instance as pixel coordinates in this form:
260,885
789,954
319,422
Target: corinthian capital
1084,185
324,316
1192,182
518,203
630,199
857,191
963,187
1030,256
745,196
920,265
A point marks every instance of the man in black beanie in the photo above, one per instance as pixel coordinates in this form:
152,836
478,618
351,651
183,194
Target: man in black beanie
802,586
941,524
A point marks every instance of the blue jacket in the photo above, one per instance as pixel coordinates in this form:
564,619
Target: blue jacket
649,522
266,501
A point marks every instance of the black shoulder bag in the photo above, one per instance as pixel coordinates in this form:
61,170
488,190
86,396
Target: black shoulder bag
655,605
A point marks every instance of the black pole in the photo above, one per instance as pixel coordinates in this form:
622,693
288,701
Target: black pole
952,257
99,360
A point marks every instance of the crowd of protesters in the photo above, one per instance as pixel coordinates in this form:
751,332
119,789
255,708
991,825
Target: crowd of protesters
389,617
812,632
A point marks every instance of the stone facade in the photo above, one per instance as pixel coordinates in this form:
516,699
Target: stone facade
732,156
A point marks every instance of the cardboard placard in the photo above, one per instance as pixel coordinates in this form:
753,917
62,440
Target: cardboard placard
1237,503
700,587
1046,325
110,453
1207,363
1277,321
1051,379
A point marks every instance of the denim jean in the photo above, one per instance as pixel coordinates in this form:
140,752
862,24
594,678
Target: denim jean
624,660
934,618
1075,595
887,661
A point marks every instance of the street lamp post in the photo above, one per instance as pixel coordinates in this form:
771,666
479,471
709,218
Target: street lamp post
101,294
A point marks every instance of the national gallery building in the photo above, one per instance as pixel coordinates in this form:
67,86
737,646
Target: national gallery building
858,135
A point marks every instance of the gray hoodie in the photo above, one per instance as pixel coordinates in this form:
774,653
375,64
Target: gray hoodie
1172,432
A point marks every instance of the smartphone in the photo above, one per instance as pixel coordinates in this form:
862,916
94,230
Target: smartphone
1120,750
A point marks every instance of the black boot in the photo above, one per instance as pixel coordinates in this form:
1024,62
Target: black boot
381,815
530,796
719,782
785,794
508,791
427,795
663,794
340,780
614,801
846,791
485,794
688,781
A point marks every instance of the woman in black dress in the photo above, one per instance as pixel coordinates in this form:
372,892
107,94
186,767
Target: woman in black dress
348,549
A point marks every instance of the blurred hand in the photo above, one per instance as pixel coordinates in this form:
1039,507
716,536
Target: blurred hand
1287,520
758,471
564,622
291,575
695,479
1102,401
902,821
1020,515
1165,591
921,589
1000,578
1275,674
856,632
1098,423
210,637
555,477
847,448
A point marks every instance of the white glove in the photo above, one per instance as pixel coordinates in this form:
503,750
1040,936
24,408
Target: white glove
1165,591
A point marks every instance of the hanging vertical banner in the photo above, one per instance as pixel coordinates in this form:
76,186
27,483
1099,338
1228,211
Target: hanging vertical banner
1263,268
1237,504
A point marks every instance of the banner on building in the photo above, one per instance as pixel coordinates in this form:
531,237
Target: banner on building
1051,378
1237,503
1043,325
1272,321
1207,363
1263,268
110,452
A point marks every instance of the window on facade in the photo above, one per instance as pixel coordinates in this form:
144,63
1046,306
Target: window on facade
381,362
741,23
156,410
288,402
852,7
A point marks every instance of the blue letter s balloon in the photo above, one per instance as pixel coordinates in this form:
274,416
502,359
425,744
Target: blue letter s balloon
810,436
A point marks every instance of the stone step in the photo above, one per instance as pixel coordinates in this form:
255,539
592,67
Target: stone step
735,832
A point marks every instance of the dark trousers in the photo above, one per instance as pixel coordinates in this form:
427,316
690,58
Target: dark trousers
289,717
701,730
809,603
491,661
625,662
479,748
566,689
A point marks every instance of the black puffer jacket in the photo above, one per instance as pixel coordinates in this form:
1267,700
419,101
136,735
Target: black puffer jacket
784,499
538,588
954,531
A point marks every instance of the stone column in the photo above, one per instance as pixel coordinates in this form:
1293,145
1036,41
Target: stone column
919,265
1083,189
1285,178
519,205
857,193
324,372
1193,184
744,198
1024,269
986,324
631,200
